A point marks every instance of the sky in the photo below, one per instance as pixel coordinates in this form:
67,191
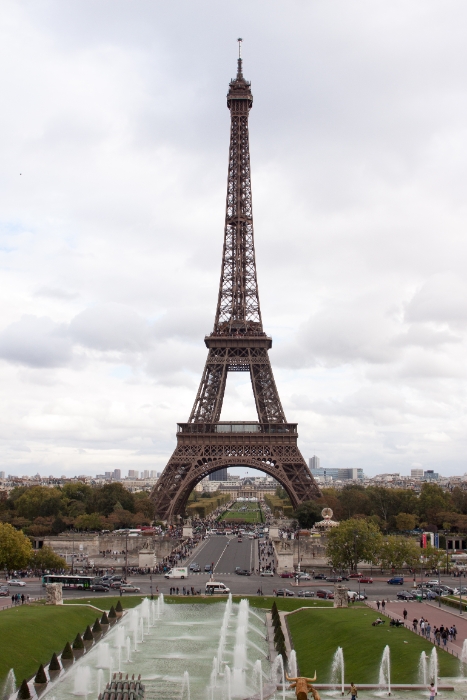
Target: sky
114,137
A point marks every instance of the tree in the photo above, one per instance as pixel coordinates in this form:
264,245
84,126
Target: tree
308,513
405,522
433,500
397,551
104,498
45,558
93,521
353,541
15,548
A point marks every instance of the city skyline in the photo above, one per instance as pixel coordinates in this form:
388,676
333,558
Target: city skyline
114,145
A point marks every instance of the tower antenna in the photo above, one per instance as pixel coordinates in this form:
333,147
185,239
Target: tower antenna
240,47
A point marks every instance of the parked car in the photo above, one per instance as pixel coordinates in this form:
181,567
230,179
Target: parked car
100,587
353,595
306,594
129,588
319,577
333,579
396,581
4,591
15,582
243,572
266,572
287,574
406,595
303,576
355,575
285,592
366,579
324,593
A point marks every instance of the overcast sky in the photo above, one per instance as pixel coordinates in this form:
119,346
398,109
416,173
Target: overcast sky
114,138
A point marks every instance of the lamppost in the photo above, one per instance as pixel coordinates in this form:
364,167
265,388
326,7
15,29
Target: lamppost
73,556
126,555
150,578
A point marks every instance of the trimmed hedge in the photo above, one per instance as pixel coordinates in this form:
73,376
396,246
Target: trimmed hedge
88,635
54,663
23,692
97,626
67,652
40,675
119,607
104,619
78,643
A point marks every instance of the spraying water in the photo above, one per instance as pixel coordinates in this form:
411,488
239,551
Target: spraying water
293,670
227,683
434,668
82,679
385,670
258,678
9,685
278,674
128,649
423,669
100,681
464,652
185,687
337,669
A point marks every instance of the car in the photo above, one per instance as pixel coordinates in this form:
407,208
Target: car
353,595
406,595
207,567
366,579
266,572
129,588
319,577
287,574
15,582
285,592
195,567
100,587
303,577
240,539
243,572
432,584
334,579
306,594
355,575
115,584
396,581
4,591
324,593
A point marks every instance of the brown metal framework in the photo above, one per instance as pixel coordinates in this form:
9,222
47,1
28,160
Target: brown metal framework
236,344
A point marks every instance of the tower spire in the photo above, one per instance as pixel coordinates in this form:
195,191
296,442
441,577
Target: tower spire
239,62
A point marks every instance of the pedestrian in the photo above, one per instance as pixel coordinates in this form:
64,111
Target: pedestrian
454,632
378,604
383,604
422,627
432,691
353,692
428,631
444,636
405,614
415,623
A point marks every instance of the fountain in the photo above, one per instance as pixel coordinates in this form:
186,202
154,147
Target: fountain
423,669
385,670
120,637
100,681
463,656
104,660
227,684
81,686
434,668
293,669
9,685
258,679
185,687
128,649
278,673
337,669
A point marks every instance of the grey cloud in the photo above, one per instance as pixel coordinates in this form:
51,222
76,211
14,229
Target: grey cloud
36,342
111,327
55,293
442,299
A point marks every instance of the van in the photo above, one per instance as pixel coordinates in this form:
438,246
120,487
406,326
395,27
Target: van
177,572
213,588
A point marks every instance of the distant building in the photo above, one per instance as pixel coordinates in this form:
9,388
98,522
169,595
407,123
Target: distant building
133,474
154,474
416,473
314,462
430,475
2,475
145,474
108,475
350,474
117,474
220,475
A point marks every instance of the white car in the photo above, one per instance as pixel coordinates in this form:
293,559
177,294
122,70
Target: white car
15,582
266,573
303,577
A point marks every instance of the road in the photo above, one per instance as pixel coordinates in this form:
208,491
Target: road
226,553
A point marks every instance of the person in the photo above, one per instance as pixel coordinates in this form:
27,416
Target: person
415,623
405,614
353,692
383,604
378,604
428,631
432,690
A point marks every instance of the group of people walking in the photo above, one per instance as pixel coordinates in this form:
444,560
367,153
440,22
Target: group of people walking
442,634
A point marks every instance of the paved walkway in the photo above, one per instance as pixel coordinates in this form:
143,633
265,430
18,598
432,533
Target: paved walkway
430,611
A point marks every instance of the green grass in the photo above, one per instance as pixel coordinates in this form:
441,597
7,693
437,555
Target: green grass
253,514
106,602
317,633
31,633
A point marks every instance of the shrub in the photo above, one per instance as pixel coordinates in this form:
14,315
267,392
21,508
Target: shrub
97,626
112,613
104,619
54,663
119,607
78,643
88,634
40,675
67,652
23,692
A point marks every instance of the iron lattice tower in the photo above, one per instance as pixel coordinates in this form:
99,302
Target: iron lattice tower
236,344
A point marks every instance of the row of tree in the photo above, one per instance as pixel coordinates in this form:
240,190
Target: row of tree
39,510
356,540
16,552
392,509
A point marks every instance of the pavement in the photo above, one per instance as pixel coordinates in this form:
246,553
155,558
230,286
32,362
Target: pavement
436,615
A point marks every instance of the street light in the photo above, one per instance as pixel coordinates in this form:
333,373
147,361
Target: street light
150,578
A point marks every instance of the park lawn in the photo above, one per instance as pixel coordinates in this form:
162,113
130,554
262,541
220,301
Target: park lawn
253,514
105,602
317,633
31,633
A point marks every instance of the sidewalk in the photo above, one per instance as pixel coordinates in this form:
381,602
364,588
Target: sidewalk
430,611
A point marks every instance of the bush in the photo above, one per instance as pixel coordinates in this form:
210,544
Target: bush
23,692
96,628
119,607
67,652
78,643
112,613
40,675
104,619
88,636
54,663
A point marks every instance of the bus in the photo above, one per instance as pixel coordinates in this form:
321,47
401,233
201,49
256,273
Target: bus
78,582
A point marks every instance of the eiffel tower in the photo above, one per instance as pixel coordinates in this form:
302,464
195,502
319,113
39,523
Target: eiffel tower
237,344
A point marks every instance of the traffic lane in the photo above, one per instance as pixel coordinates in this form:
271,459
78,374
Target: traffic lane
211,552
236,554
